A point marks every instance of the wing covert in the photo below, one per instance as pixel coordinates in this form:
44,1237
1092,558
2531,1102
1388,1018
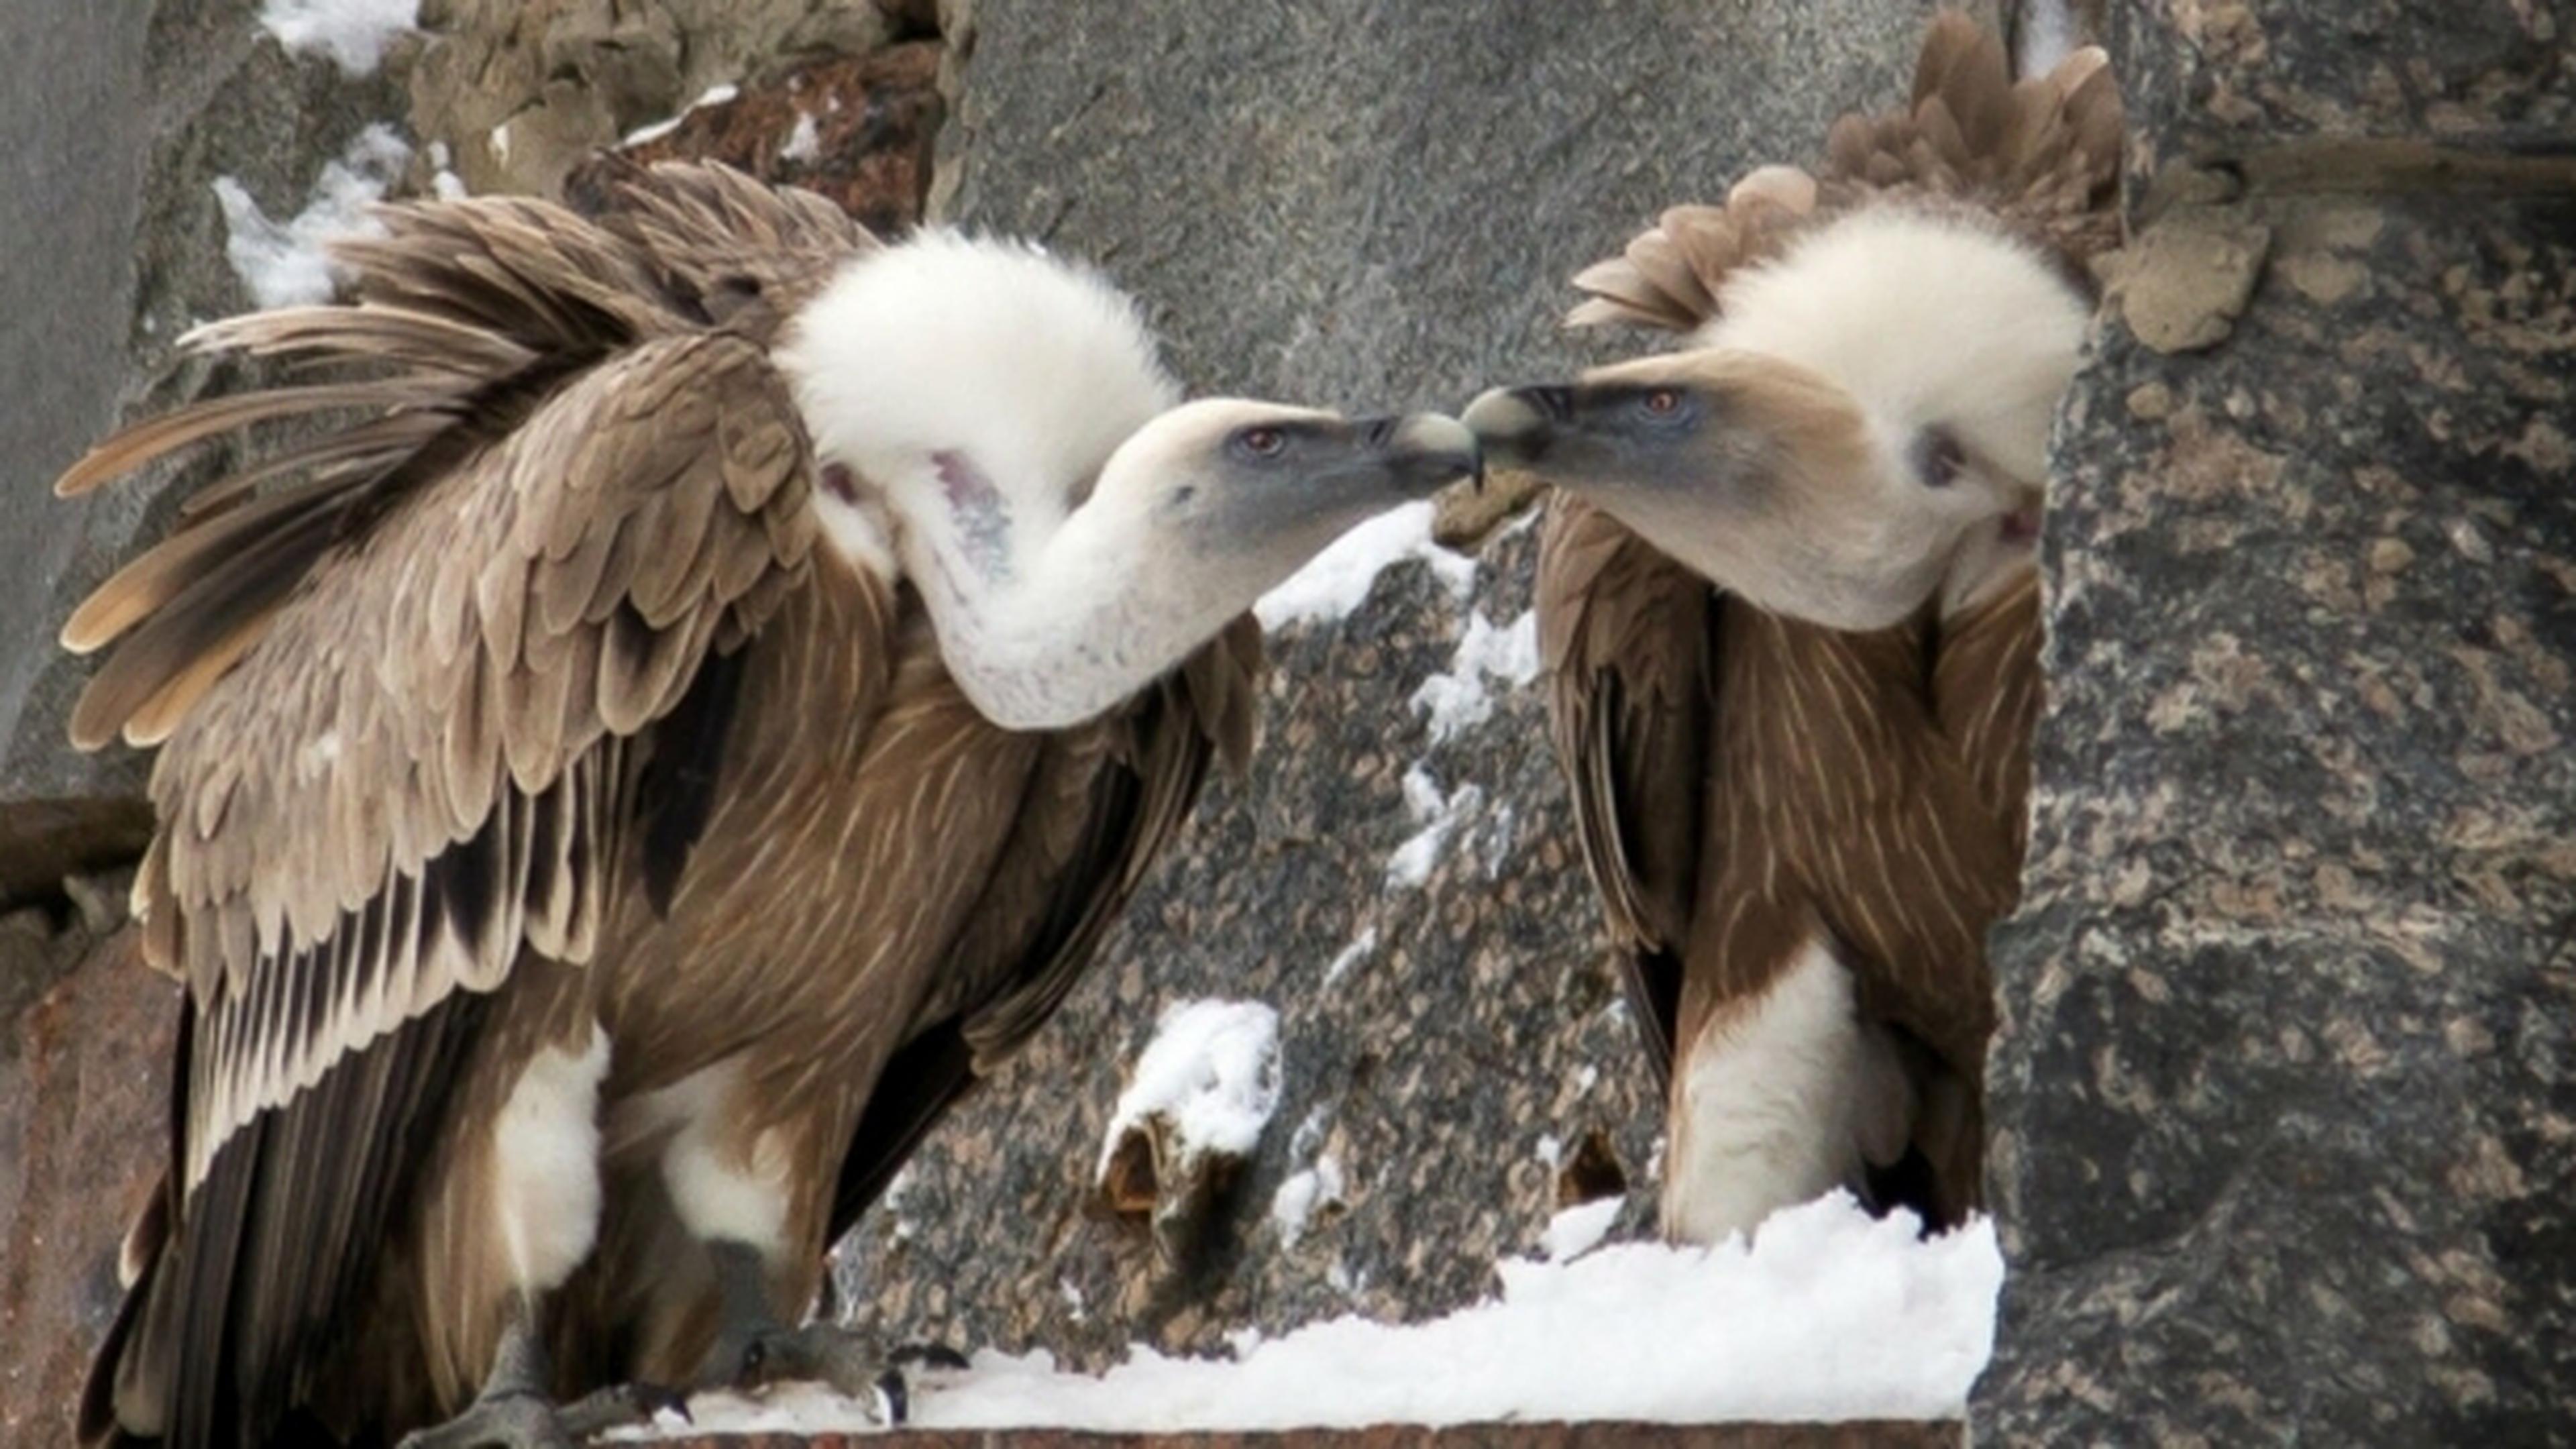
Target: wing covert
1626,641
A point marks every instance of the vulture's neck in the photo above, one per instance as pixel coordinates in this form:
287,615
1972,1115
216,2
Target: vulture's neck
1047,621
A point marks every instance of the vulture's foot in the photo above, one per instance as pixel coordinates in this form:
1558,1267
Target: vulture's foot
845,1359
512,1419
525,1419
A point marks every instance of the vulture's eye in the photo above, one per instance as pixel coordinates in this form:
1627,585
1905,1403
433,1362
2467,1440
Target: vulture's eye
1938,458
1661,402
1261,442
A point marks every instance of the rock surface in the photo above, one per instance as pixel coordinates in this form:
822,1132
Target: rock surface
84,1080
2287,1102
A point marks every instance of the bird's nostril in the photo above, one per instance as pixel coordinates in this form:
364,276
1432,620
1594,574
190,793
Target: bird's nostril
1378,432
1553,403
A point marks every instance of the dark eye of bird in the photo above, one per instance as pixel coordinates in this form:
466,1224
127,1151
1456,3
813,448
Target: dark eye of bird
1662,402
1938,458
1261,442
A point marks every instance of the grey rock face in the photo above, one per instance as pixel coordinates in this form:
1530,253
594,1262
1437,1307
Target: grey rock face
2288,1091
117,247
1381,203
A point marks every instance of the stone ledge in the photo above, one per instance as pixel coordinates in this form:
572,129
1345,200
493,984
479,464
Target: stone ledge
1874,1434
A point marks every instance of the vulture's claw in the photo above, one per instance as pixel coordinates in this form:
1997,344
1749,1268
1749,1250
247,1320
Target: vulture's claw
516,1419
928,1355
815,1353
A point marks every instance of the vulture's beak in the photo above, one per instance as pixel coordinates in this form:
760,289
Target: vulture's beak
1423,451
1516,424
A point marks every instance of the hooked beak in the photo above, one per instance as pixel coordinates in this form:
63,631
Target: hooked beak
1423,451
1516,424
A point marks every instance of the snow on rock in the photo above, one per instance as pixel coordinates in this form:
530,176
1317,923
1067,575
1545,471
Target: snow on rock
1828,1314
804,142
1211,1074
714,96
1337,581
354,33
285,263
1458,700
1304,1191
1437,815
1349,956
1577,1230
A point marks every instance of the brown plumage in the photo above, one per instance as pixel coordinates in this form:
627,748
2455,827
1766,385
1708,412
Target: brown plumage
1789,615
573,839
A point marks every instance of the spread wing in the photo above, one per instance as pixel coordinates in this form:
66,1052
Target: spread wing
1627,640
2042,154
1100,806
402,700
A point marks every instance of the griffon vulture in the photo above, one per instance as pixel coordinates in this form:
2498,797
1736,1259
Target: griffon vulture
694,712
1790,616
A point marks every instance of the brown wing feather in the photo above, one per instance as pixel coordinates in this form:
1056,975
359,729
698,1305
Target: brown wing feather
397,699
2043,155
1626,643
1103,802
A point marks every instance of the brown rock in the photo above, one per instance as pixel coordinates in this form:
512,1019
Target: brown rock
84,1103
520,93
856,129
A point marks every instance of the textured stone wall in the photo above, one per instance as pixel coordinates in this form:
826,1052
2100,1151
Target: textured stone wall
2287,1101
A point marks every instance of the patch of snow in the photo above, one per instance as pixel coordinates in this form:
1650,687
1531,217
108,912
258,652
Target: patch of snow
714,96
354,33
1337,581
1342,1280
1438,815
804,143
1499,838
1577,1230
1073,1305
1349,956
444,183
1457,700
891,1200
283,264
1211,1073
1827,1314
1586,1079
1294,1204
1550,1151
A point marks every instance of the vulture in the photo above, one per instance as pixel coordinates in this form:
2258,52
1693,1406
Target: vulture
1789,617
688,708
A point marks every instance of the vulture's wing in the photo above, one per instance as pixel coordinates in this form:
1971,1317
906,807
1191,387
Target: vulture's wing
403,702
1627,640
1987,691
1100,806
2043,154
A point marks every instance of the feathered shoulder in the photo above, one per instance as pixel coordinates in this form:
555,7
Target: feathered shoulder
2041,156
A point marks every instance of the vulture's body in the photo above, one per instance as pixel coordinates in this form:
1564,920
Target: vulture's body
1790,616
586,836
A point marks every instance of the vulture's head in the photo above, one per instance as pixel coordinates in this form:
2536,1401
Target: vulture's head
1863,409
996,424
